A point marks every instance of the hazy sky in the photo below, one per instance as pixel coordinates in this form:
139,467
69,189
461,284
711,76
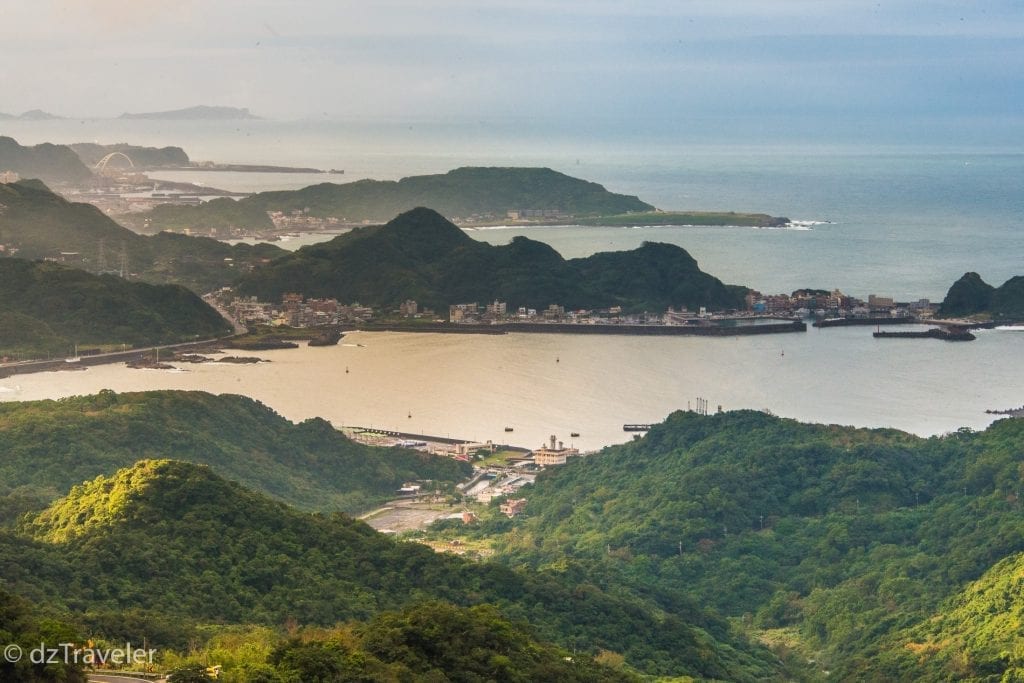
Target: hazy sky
770,60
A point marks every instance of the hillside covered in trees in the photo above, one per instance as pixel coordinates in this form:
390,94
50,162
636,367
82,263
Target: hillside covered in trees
857,548
163,546
52,163
420,255
40,224
47,308
49,446
142,157
970,295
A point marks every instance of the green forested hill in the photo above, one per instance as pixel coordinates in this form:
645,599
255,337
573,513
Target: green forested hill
970,295
436,641
847,536
24,626
40,224
977,636
460,193
172,540
52,163
90,153
48,446
47,308
420,255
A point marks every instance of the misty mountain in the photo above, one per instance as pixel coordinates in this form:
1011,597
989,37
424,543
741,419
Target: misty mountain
199,113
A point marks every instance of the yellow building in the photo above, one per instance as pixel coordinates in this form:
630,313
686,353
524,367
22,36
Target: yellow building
554,453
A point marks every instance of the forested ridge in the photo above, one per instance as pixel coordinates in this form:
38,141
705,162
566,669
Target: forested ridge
854,544
46,447
163,547
420,255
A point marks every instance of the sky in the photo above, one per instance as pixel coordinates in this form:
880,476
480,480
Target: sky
773,63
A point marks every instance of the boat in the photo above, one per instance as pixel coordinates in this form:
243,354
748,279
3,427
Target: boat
574,434
508,429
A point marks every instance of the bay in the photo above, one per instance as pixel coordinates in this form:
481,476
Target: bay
473,386
893,220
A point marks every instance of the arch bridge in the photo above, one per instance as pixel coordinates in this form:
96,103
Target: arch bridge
101,165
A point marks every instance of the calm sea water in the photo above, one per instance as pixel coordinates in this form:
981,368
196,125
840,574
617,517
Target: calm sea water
473,386
904,222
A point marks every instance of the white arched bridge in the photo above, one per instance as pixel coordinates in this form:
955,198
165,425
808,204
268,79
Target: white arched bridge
102,164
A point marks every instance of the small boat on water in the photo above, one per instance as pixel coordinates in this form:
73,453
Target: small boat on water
509,429
574,434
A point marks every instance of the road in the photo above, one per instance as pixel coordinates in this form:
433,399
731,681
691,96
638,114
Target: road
24,367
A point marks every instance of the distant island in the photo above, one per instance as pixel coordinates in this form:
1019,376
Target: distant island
421,255
694,218
30,115
199,113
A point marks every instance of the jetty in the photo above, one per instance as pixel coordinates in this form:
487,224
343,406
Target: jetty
950,334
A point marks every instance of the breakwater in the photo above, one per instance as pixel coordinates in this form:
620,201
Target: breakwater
710,330
851,322
952,334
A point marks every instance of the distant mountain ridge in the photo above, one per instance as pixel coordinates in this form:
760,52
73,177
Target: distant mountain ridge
422,256
201,112
30,115
460,193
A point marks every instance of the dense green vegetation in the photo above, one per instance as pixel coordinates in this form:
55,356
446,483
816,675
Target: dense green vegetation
90,153
970,295
48,446
461,193
716,218
420,255
977,635
47,308
221,215
436,641
24,627
848,536
52,163
41,224
164,544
